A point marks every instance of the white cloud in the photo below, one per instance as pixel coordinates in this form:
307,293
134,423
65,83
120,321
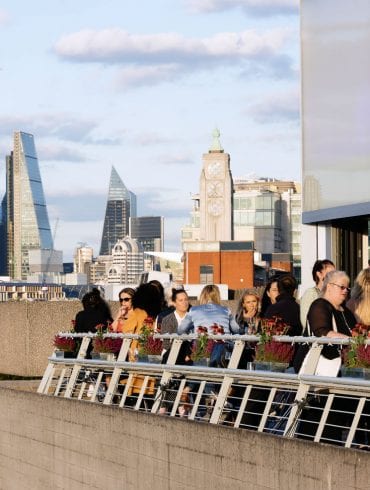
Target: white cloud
57,152
150,139
277,108
256,7
63,126
118,46
140,76
151,59
4,17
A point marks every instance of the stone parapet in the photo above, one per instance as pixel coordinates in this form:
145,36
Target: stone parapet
49,442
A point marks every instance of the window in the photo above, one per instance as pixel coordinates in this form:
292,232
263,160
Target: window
206,274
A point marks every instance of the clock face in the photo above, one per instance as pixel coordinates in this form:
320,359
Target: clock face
215,169
215,207
215,189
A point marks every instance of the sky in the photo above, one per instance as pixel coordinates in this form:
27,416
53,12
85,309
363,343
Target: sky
141,84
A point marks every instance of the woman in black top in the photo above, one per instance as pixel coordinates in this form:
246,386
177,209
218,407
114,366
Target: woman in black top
96,312
328,316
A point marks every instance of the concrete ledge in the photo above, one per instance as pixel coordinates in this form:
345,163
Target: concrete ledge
49,442
27,332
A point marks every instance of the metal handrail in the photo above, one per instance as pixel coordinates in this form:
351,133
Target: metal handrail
237,397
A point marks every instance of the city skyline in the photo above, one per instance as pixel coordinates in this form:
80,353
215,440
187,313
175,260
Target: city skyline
102,85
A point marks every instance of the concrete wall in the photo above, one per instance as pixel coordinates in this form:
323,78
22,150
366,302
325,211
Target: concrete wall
27,330
54,443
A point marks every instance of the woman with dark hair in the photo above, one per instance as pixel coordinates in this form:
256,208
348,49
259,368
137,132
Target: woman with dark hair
96,312
165,309
125,299
269,296
285,306
146,302
319,271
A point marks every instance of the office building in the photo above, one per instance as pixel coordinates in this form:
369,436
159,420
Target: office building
82,260
148,230
121,205
127,262
335,77
24,209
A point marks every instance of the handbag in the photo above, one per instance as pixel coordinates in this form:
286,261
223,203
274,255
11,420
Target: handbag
325,367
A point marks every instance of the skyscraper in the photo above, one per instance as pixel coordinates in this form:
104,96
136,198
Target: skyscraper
148,230
121,205
27,223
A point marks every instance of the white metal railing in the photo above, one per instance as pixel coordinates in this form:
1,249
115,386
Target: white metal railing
332,410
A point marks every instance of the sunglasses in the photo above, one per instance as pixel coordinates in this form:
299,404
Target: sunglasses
127,298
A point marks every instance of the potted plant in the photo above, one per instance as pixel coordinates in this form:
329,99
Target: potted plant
202,347
107,347
272,355
356,358
149,348
63,345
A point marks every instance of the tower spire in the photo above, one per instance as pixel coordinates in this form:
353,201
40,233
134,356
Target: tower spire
216,145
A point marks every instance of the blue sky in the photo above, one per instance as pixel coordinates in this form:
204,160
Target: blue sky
141,84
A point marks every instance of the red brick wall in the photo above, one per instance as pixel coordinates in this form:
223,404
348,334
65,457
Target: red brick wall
228,267
237,269
285,266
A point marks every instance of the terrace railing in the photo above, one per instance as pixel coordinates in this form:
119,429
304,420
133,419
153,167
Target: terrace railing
320,409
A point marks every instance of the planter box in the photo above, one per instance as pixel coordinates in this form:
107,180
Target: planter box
356,372
202,362
154,359
105,356
277,367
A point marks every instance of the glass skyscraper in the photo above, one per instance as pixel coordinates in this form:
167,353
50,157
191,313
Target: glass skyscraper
27,223
121,205
148,230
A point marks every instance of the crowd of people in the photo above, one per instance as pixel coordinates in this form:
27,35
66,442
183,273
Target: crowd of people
326,309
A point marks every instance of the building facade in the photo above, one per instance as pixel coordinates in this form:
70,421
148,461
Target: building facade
230,263
82,259
336,150
127,262
24,209
149,231
121,205
266,212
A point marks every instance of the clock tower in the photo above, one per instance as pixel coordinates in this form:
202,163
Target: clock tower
216,216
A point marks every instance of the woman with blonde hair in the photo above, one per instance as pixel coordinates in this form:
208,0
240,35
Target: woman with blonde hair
359,303
247,315
209,312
